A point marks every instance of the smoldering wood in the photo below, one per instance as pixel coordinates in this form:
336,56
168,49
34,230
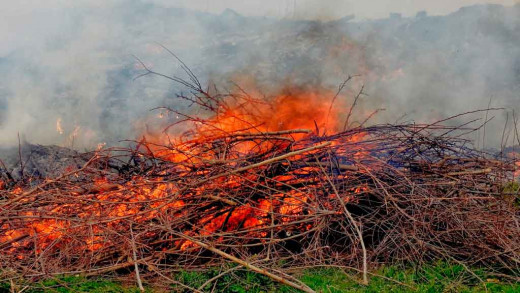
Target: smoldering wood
365,195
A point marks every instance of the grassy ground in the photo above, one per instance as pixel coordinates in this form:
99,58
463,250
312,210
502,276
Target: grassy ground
440,277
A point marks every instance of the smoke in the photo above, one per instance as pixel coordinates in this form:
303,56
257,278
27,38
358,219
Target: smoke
79,69
75,64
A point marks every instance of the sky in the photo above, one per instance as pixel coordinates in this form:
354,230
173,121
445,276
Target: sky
312,9
27,21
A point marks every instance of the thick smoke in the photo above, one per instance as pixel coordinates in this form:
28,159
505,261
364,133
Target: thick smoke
69,81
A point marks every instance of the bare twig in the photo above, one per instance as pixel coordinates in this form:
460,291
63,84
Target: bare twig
248,265
134,256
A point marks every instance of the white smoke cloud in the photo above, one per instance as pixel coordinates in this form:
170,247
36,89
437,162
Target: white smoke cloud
74,63
72,60
329,9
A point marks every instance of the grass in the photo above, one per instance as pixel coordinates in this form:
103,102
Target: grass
438,277
512,192
69,284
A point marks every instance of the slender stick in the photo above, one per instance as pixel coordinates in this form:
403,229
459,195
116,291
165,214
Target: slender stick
136,266
246,264
252,166
351,219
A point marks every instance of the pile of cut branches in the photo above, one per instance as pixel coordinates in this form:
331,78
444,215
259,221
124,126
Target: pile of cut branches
264,199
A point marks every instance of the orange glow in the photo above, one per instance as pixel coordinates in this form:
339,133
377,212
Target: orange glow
218,138
292,109
59,128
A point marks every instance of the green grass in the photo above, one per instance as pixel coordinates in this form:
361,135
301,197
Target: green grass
512,193
69,284
433,278
439,277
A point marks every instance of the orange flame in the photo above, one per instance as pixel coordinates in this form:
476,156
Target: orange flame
59,128
292,109
249,117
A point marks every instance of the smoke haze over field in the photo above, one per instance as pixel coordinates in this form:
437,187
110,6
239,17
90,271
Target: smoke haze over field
329,9
70,66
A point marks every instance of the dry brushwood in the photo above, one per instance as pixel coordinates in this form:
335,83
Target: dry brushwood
257,196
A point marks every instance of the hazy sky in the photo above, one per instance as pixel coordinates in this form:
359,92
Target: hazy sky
330,8
24,21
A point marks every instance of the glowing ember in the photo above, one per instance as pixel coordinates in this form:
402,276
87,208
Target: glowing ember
235,131
239,122
100,146
251,169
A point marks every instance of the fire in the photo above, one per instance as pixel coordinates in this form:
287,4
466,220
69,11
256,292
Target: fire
515,156
100,146
236,130
59,128
292,109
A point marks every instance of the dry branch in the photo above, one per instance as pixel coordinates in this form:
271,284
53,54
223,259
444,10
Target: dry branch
213,195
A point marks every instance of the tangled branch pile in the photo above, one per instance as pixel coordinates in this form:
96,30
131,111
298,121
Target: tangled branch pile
264,198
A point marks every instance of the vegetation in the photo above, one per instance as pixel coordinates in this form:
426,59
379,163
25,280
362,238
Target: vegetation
512,192
70,284
438,277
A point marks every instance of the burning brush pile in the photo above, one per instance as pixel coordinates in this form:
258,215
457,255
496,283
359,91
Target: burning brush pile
264,185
